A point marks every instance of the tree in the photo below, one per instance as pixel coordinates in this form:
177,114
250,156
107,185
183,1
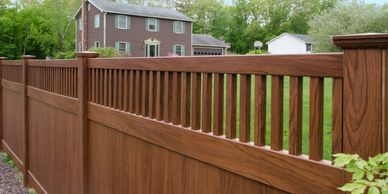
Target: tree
347,18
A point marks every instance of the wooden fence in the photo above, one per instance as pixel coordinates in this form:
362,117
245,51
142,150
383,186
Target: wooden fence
193,124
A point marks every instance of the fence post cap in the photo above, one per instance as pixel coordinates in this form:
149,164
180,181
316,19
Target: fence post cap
28,57
367,40
87,54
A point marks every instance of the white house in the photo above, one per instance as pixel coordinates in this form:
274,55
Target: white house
288,43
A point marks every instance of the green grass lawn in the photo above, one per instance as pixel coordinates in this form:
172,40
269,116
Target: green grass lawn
305,119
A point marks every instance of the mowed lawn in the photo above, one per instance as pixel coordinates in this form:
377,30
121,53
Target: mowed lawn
305,119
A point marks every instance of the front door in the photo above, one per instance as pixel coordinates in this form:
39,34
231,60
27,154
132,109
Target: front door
152,50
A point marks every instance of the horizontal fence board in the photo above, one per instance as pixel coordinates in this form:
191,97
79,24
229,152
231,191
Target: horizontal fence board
55,100
54,63
277,169
14,62
13,86
315,65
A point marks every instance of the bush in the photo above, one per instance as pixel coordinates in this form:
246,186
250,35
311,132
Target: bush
65,55
371,175
107,52
257,52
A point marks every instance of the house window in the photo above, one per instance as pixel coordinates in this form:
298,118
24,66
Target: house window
122,22
179,27
96,21
80,24
179,50
97,44
308,47
123,47
152,24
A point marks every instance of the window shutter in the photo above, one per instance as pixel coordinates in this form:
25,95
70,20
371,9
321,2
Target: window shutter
128,22
174,26
128,47
183,27
146,23
183,51
174,49
116,21
157,25
117,45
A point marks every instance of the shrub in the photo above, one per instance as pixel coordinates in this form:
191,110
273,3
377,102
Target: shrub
107,52
371,175
257,52
65,55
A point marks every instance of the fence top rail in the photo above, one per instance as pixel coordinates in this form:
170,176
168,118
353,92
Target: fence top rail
13,63
314,65
54,63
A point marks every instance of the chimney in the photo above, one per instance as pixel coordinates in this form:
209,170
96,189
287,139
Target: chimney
85,25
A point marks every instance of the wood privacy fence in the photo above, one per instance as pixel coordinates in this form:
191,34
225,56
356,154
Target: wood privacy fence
190,125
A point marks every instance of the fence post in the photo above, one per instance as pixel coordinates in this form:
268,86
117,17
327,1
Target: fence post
83,111
26,58
1,102
365,94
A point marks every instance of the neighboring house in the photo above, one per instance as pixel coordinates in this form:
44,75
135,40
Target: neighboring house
135,30
288,43
208,45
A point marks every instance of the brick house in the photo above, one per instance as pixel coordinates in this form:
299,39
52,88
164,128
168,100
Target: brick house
140,31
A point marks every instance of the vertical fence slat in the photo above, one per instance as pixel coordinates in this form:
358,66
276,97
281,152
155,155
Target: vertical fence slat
277,95
260,110
138,99
186,91
144,92
337,116
245,107
114,90
176,98
207,102
316,119
218,127
125,91
195,100
120,90
231,106
151,94
105,87
159,96
167,109
131,91
296,106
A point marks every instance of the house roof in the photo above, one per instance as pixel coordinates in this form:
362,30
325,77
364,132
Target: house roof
208,40
138,10
302,37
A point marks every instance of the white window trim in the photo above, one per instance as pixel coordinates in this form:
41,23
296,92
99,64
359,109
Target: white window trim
126,22
147,54
95,21
80,24
182,27
148,24
182,49
127,46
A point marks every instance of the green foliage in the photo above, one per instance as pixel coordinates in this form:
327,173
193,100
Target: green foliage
65,55
371,175
106,52
257,52
347,18
8,161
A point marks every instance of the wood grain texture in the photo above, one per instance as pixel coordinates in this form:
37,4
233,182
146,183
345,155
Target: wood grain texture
207,103
245,108
176,98
218,124
337,106
186,99
60,102
362,102
276,169
316,119
231,106
319,65
195,100
277,98
260,110
296,107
